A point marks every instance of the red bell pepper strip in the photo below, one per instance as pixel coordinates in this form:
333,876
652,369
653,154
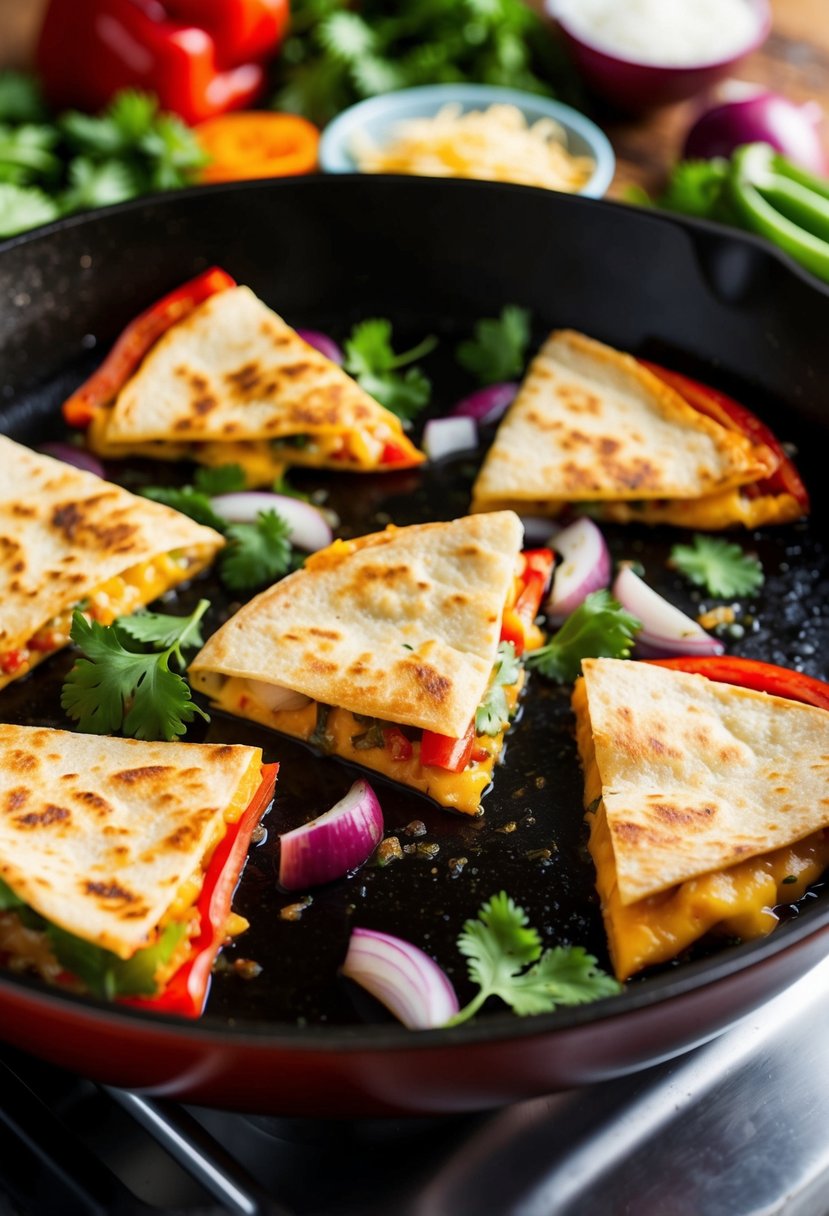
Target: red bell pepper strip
445,751
186,991
752,673
199,57
397,743
136,340
729,413
534,580
399,456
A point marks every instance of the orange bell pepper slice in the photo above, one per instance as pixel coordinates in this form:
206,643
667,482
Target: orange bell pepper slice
257,143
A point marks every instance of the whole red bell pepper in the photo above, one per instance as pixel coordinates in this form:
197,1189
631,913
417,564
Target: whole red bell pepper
199,57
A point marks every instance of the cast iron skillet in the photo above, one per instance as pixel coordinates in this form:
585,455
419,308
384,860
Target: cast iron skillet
433,256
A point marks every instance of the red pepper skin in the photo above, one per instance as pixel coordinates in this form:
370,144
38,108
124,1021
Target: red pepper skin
89,49
397,743
445,751
12,661
752,673
186,992
394,454
730,413
534,579
133,344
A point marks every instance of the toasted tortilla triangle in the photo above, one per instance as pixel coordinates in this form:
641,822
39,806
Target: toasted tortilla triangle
98,835
67,536
402,625
697,775
591,424
233,382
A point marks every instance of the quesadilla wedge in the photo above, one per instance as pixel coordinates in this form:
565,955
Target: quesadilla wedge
228,381
119,859
397,651
708,803
69,539
596,428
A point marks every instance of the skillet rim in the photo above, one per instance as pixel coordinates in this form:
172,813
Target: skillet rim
501,1026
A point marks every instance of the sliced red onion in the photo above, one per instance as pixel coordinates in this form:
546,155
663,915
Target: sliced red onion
444,437
325,345
759,116
334,843
404,979
79,458
665,630
309,528
585,567
487,404
277,697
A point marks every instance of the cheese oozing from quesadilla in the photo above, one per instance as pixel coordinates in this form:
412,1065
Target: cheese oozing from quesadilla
708,805
380,651
104,848
69,539
233,383
592,426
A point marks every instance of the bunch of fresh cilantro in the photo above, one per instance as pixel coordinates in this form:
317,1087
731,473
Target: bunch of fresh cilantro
339,52
51,166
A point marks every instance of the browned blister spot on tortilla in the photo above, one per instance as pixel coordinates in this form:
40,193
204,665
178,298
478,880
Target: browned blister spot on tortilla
43,819
147,772
112,892
686,816
431,683
17,798
332,634
21,761
93,801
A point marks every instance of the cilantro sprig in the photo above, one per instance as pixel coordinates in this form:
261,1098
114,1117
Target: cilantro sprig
499,346
121,685
370,358
74,161
256,553
493,711
599,628
718,565
507,960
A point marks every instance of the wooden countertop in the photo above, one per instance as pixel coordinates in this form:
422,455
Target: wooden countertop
794,61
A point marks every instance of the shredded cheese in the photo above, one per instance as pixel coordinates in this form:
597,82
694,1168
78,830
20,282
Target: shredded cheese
497,144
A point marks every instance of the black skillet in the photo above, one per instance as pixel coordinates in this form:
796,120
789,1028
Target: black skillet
433,256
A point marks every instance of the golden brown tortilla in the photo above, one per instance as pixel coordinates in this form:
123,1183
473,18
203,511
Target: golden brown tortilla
232,371
591,424
401,625
98,834
697,775
64,533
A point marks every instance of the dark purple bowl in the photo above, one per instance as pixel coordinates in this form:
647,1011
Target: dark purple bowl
637,86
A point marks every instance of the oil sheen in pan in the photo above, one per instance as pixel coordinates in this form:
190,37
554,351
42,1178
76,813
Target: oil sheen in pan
530,841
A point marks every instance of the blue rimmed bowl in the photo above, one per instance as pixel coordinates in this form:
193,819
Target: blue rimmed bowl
378,116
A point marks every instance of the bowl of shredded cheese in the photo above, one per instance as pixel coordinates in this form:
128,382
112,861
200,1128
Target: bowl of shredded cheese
472,131
641,54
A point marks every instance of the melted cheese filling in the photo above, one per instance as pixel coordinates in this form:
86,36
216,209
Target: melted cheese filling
24,949
462,791
118,596
737,901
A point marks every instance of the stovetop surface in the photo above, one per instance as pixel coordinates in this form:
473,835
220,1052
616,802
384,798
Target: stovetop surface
737,1127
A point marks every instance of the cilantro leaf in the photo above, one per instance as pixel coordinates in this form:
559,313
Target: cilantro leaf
20,98
219,479
114,688
718,565
599,628
8,899
370,358
493,712
498,350
29,148
98,185
188,500
506,960
256,553
23,207
163,631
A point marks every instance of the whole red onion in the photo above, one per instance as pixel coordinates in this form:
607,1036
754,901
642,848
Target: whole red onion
748,115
